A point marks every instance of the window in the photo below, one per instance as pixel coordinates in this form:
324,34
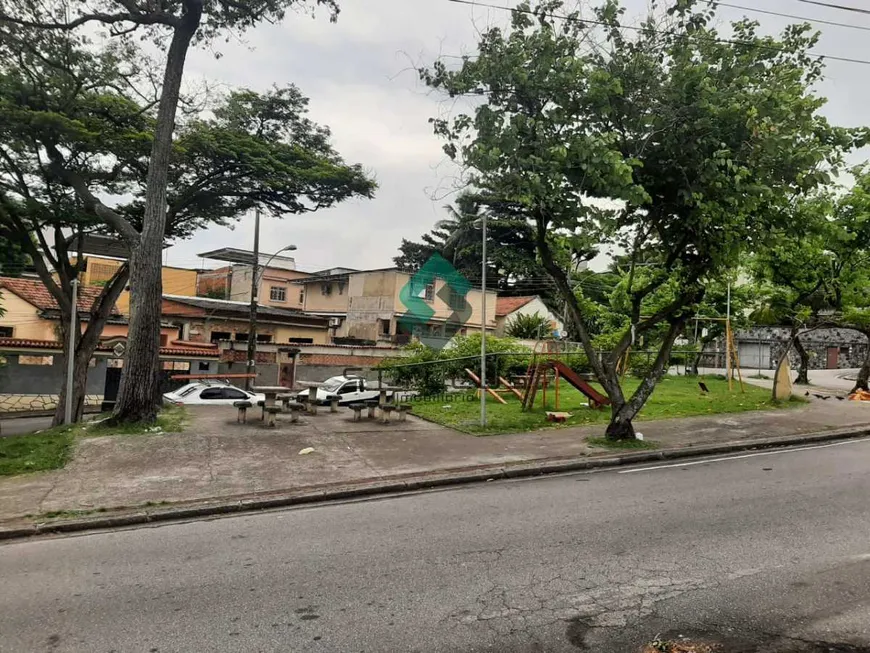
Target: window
264,337
384,327
232,393
241,337
36,360
203,366
212,393
221,335
456,300
278,293
164,339
427,292
347,388
301,341
326,288
302,296
6,332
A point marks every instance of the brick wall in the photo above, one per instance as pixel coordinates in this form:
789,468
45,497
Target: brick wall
339,360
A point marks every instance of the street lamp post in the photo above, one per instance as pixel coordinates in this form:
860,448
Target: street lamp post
255,285
483,324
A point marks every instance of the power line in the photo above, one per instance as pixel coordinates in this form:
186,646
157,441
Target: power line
833,6
820,21
587,21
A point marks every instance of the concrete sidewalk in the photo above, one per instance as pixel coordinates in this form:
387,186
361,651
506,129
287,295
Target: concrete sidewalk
218,459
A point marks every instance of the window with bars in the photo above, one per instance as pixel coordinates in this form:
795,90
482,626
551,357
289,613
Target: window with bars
278,293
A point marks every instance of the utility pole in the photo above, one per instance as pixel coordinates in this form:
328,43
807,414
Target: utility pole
728,337
483,325
71,354
252,327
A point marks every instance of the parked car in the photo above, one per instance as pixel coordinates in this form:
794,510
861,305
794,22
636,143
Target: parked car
207,393
350,389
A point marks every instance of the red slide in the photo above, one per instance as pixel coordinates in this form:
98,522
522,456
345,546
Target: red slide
571,377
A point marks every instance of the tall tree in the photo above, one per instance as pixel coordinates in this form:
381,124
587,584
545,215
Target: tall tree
175,25
512,265
83,107
701,140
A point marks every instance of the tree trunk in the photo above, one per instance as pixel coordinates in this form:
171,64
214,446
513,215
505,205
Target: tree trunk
80,381
138,394
864,373
803,368
623,413
86,345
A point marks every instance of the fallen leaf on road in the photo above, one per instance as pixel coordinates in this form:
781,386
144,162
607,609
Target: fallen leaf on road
306,451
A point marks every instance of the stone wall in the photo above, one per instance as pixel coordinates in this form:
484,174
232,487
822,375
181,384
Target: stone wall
852,345
11,403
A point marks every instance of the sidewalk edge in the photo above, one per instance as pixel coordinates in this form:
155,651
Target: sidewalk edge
398,485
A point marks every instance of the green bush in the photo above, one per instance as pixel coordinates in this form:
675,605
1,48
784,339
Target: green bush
641,364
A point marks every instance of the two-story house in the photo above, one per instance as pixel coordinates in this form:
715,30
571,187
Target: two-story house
275,283
368,305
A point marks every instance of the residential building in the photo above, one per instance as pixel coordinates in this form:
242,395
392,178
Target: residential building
508,308
33,370
99,270
202,319
31,312
275,285
366,305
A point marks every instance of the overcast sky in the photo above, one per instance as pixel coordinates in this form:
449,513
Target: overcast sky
359,76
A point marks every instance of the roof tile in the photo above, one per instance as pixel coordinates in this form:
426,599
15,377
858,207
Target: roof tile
507,305
33,291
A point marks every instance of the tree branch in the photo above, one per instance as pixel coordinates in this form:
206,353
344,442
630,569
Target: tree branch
92,204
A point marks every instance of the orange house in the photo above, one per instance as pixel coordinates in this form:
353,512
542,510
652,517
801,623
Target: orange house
30,312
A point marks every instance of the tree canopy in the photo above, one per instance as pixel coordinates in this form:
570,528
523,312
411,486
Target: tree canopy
677,146
77,131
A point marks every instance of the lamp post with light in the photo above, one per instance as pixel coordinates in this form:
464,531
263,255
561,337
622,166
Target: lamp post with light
256,276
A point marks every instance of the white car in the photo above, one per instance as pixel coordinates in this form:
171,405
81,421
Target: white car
205,394
350,389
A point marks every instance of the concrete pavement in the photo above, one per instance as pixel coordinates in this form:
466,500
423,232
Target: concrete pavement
763,553
217,459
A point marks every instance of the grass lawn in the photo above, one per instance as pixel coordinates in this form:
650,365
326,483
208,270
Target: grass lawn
675,396
51,448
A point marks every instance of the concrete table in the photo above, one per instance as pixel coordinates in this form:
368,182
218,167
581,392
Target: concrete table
382,391
270,392
312,394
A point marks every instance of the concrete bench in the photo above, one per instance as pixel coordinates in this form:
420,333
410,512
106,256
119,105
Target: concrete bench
357,409
403,410
333,403
285,399
295,408
386,411
372,405
243,406
270,412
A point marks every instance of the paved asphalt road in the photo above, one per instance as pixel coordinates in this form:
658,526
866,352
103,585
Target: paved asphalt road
764,553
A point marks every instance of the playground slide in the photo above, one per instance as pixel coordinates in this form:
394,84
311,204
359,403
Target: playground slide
571,377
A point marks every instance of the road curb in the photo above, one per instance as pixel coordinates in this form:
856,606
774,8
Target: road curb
401,484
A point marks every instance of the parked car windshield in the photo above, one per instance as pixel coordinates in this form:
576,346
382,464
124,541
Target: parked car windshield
331,385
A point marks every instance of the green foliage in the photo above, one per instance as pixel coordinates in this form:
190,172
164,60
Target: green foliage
704,142
22,454
418,368
465,346
529,327
512,265
673,397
